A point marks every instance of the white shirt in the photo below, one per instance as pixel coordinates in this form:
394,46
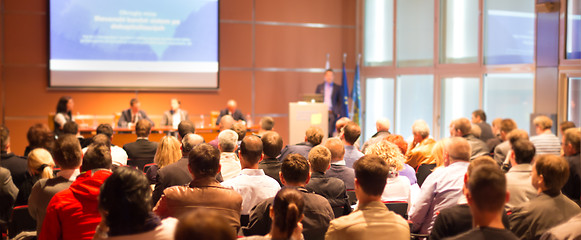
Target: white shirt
176,118
118,155
165,231
397,189
254,186
230,165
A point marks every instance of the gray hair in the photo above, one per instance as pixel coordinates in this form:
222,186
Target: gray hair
421,127
227,140
190,141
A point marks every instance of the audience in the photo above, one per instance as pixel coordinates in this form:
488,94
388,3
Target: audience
8,193
382,126
287,212
72,213
40,166
435,160
313,137
443,187
545,141
502,149
68,156
167,152
240,129
518,178
17,165
461,128
512,137
271,146
184,128
39,136
479,118
351,133
228,159
204,224
118,155
176,173
371,219
338,162
458,219
402,145
73,129
340,124
398,188
252,184
204,191
550,208
142,148
333,189
125,208
571,152
420,150
493,142
563,126
226,122
266,125
294,173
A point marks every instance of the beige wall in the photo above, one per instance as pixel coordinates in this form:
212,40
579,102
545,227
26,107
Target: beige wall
280,38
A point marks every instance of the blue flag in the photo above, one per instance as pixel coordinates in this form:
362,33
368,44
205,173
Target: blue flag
356,96
345,93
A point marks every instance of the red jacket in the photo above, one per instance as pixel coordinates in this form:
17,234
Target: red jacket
72,213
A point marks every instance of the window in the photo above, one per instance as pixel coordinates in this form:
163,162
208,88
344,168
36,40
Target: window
459,31
415,33
574,101
414,99
379,103
573,44
509,95
509,28
459,99
378,32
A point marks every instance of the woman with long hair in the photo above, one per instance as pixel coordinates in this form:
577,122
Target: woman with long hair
168,152
286,213
63,114
40,166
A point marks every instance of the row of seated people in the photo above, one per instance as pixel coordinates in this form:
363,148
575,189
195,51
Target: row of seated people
320,159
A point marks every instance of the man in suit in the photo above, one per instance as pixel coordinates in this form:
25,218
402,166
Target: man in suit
338,163
174,116
462,128
17,165
479,118
333,97
130,116
313,137
231,109
142,149
73,128
272,144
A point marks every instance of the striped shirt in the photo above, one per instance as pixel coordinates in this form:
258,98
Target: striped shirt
547,143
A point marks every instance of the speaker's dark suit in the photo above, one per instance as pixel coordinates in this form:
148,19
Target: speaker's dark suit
126,118
337,104
237,115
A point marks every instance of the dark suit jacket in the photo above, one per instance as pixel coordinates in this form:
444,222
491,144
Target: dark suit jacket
572,188
8,193
167,119
271,167
455,220
237,115
17,165
140,149
300,148
336,99
126,118
344,173
333,189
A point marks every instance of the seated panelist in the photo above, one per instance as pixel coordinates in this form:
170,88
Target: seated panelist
132,115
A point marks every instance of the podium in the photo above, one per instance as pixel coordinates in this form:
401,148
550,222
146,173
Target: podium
303,115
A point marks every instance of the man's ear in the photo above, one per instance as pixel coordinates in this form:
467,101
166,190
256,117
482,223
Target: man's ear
308,178
282,180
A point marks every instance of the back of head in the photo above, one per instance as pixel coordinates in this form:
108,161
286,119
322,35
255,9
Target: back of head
481,161
371,173
496,123
314,135
572,136
421,127
389,152
340,124
320,159
351,132
517,134
336,148
226,122
524,151
295,169
227,140
487,186
476,130
382,124
4,138
186,127
67,152
272,144
251,149
40,163
507,125
105,129
554,170
459,149
204,161
39,135
142,128
97,156
543,122
463,125
566,125
204,224
126,198
71,128
267,123
240,129
480,113
190,140
168,151
101,139
288,208
398,140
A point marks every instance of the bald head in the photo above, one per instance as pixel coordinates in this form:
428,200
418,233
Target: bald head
382,124
227,140
458,149
337,149
190,141
341,123
250,151
231,105
226,122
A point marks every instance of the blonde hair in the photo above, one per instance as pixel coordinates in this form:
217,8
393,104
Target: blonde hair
389,152
40,163
437,155
168,151
543,122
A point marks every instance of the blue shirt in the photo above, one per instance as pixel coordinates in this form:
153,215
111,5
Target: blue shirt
327,95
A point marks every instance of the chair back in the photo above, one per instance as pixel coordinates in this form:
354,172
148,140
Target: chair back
338,211
147,166
400,208
20,221
351,197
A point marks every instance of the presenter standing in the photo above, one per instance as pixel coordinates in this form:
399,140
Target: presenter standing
63,113
130,116
174,116
333,97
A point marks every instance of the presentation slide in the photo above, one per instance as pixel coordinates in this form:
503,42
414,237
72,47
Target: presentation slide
134,44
